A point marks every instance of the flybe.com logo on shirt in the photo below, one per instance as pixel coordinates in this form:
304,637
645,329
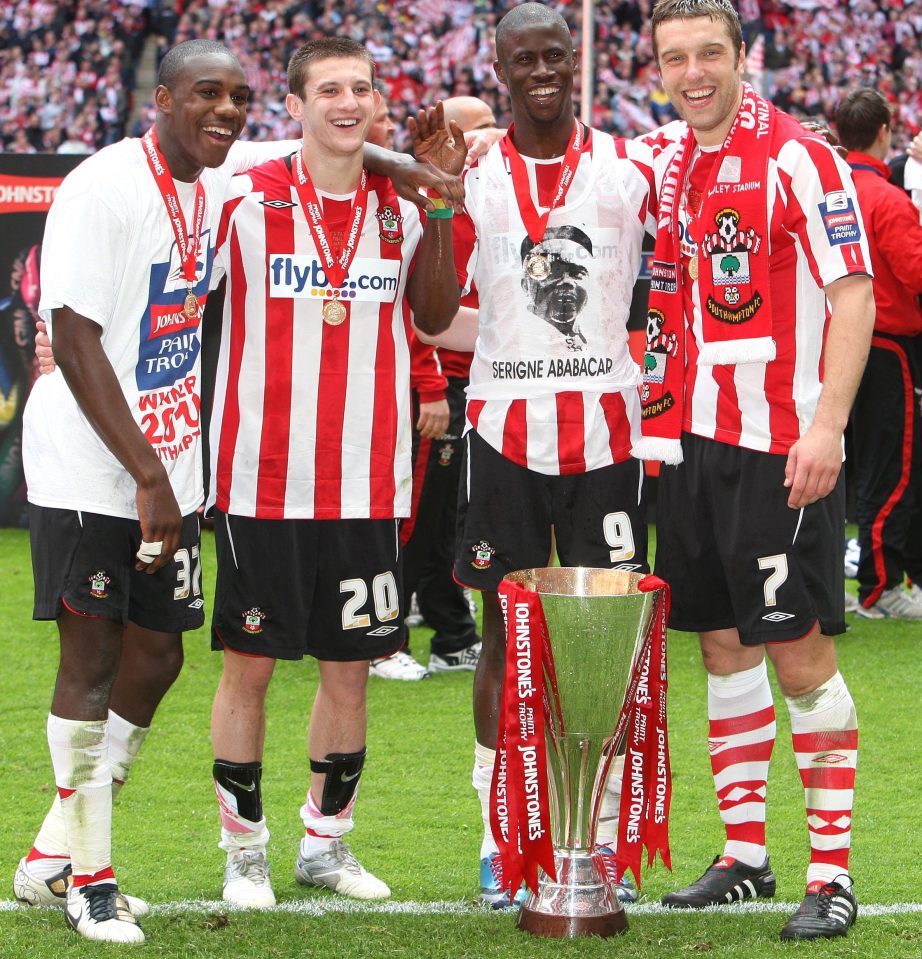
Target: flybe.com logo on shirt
296,276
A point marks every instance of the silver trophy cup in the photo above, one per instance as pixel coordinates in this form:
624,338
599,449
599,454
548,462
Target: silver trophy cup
597,621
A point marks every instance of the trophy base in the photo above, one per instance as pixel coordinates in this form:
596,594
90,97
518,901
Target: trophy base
581,902
570,927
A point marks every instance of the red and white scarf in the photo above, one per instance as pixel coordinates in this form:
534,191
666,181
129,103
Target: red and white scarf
732,265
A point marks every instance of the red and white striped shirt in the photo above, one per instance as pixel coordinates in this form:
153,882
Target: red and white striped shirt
768,406
312,421
557,403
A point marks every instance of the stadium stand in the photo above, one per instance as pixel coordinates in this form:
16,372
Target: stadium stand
67,68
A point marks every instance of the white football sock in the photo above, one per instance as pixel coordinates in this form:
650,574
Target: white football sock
80,756
481,780
125,740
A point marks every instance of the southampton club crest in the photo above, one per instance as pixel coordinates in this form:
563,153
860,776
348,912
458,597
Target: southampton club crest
253,619
728,249
390,225
660,346
99,583
483,554
445,454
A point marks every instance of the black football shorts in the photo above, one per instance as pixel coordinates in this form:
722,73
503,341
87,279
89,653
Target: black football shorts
506,514
85,562
288,588
736,555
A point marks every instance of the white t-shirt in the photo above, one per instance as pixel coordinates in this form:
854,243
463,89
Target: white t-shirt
109,254
557,395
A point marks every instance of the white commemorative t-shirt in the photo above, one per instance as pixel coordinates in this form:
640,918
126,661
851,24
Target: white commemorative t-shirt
110,255
552,383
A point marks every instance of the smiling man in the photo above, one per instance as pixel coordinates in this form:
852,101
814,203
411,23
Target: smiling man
310,445
112,461
112,458
761,316
556,213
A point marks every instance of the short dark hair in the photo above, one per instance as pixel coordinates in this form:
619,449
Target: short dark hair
566,232
324,48
176,58
859,118
525,15
720,11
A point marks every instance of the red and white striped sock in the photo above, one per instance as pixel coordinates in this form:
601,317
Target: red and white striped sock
824,727
740,740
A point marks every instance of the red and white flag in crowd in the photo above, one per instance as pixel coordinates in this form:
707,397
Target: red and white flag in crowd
755,57
755,64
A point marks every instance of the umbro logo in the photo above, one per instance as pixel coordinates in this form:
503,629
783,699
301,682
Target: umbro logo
278,204
777,617
830,759
197,604
383,631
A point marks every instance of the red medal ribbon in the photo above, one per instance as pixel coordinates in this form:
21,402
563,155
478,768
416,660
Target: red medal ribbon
187,242
520,788
646,791
335,265
535,224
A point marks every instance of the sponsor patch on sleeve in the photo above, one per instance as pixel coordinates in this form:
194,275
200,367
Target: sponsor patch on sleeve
840,218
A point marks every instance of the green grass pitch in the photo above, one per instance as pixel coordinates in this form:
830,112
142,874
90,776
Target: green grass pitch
418,822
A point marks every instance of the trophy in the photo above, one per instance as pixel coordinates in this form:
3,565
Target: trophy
585,678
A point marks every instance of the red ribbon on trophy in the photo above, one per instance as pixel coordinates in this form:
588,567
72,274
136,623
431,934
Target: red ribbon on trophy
646,791
519,801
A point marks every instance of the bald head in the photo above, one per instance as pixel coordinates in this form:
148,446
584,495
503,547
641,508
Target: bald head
470,113
521,18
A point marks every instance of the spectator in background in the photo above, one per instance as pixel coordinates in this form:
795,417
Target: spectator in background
886,433
444,48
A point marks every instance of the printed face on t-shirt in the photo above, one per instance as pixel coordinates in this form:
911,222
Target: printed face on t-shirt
561,296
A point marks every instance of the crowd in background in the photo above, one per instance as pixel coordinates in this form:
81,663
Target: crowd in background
68,68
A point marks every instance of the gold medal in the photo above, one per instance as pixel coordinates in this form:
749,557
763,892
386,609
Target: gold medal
537,266
334,312
693,267
190,305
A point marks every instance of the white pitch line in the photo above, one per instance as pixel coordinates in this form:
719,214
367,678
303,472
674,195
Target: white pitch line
334,905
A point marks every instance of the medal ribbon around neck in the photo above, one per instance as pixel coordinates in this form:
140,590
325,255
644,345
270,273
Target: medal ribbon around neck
187,242
536,224
336,266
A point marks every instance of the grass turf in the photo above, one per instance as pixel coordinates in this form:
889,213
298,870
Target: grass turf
418,824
